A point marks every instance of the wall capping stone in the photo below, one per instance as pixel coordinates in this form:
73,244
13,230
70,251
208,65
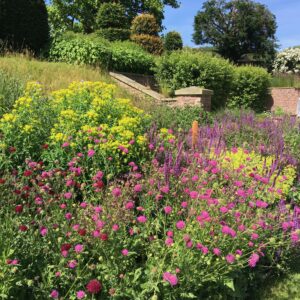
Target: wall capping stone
193,91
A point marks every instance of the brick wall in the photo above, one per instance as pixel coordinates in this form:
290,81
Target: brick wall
285,98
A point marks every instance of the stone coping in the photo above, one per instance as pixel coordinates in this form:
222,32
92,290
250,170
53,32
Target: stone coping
193,91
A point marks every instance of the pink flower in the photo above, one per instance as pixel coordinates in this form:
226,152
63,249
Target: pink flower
228,231
116,192
184,204
57,274
138,188
165,189
239,252
230,258
91,153
171,278
68,216
141,219
217,251
129,205
115,227
168,210
194,194
72,264
170,233
124,252
223,209
54,294
294,237
80,294
43,231
261,204
78,248
254,258
180,225
169,241
68,195
254,236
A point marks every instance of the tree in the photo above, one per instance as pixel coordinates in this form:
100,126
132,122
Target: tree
173,41
83,13
24,24
237,28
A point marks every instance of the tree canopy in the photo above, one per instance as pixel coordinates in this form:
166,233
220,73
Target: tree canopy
81,15
237,28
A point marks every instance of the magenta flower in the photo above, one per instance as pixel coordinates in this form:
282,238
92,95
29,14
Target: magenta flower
68,195
169,241
171,278
78,248
194,194
115,227
168,210
138,188
43,231
72,264
254,258
261,204
217,251
129,205
294,237
116,192
91,153
80,294
230,258
54,294
124,252
180,225
141,219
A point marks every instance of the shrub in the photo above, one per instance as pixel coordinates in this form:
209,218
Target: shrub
287,61
24,24
183,68
145,24
150,43
11,89
249,88
173,41
114,34
112,15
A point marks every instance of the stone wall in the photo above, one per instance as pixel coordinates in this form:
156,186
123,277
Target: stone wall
284,98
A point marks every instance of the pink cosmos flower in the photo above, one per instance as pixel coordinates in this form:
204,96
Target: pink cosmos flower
141,219
180,225
171,278
80,294
168,210
78,248
124,252
230,258
254,258
54,294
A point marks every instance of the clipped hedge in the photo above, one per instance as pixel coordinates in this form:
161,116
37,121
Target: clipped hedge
184,68
152,44
92,50
249,88
145,24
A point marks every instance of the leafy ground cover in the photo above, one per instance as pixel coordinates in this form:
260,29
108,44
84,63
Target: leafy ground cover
99,201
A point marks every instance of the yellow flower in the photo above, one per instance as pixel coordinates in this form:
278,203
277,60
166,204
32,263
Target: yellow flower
27,128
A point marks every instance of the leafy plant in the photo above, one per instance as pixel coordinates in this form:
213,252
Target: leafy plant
172,41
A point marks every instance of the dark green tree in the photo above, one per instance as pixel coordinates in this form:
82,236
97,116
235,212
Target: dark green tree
173,41
237,28
24,24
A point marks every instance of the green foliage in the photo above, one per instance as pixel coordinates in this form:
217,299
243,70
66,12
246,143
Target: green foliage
249,88
173,41
114,34
112,15
152,44
92,50
24,24
237,28
11,89
285,80
184,68
145,24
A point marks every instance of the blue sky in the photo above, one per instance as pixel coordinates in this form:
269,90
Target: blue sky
287,14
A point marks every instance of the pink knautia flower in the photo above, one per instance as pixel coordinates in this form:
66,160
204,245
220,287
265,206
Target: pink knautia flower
170,233
12,262
295,237
228,231
116,192
223,209
195,178
76,227
68,216
194,194
63,206
215,170
239,252
165,189
99,175
80,294
57,274
83,205
254,236
171,278
43,231
250,244
65,144
141,219
180,225
72,264
129,205
96,233
204,217
54,294
213,163
217,251
285,226
242,227
168,210
241,193
100,224
98,209
124,252
169,241
115,227
140,208
189,244
91,153
184,204
138,188
68,195
261,204
78,248
238,183
253,260
70,182
230,258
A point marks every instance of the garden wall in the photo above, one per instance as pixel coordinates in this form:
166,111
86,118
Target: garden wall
284,98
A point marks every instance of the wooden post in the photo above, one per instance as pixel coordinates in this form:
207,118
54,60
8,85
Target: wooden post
195,132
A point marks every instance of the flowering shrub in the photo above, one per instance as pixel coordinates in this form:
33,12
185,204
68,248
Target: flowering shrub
287,61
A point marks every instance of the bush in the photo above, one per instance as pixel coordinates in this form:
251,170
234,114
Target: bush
152,44
249,88
173,41
114,34
112,15
287,61
145,24
183,68
92,50
24,24
11,89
